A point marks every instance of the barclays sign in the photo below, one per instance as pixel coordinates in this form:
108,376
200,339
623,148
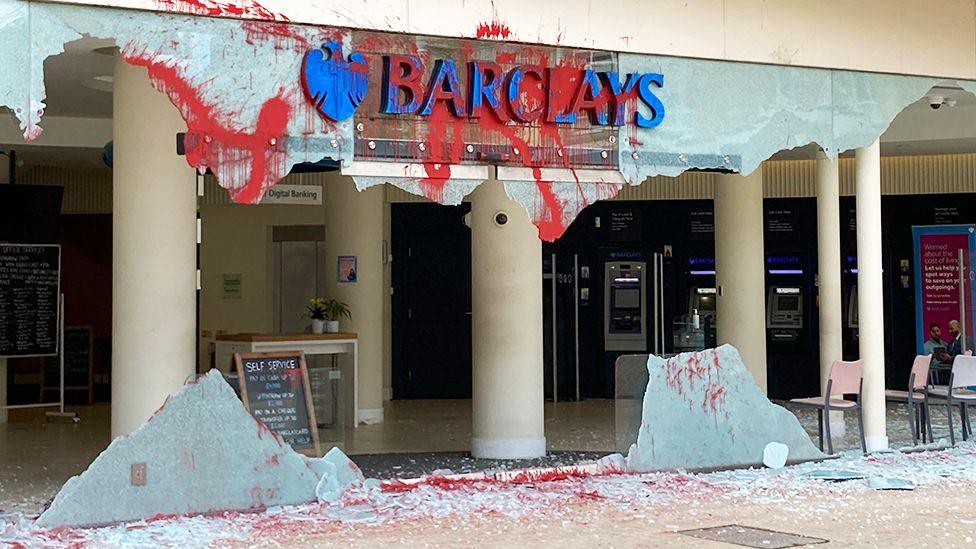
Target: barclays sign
521,94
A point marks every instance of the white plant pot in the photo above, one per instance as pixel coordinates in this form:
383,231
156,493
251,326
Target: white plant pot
318,326
331,326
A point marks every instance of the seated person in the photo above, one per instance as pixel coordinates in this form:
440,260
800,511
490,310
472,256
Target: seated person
955,344
937,347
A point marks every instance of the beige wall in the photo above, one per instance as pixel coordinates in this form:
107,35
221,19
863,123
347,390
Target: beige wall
236,239
934,37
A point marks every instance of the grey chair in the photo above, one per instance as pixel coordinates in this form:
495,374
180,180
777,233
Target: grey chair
846,378
917,399
955,393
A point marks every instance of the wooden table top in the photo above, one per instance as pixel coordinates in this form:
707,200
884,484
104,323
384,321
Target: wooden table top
255,338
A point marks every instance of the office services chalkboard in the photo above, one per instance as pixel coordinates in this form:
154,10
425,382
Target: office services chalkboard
30,280
276,390
78,347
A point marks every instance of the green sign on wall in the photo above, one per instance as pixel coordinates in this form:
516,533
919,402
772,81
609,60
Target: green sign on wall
232,285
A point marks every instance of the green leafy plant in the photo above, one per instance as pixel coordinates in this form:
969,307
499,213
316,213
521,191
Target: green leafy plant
335,309
316,308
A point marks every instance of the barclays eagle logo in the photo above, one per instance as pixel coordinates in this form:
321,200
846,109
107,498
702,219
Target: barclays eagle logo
334,85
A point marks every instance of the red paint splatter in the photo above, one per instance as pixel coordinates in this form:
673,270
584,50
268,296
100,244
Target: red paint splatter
212,8
257,157
697,372
281,36
474,480
493,29
272,461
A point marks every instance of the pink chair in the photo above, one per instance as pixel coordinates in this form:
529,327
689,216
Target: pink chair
845,378
916,397
963,375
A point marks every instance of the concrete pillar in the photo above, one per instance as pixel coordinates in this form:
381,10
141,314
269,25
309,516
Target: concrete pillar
828,273
354,227
740,269
154,206
870,296
508,419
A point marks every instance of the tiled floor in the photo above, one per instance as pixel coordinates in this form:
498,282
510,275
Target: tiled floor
37,457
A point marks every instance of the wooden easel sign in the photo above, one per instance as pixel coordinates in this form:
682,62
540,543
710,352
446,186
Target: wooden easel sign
276,390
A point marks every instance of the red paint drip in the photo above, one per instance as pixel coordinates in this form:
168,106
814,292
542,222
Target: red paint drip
493,29
258,158
694,374
212,8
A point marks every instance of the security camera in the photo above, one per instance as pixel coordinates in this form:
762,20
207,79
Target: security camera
501,219
935,101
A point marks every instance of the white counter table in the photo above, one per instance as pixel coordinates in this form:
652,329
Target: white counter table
343,343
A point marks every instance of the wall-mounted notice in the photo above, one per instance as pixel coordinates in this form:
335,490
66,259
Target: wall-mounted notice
941,298
944,215
701,223
276,390
232,284
625,225
346,269
303,195
782,220
29,293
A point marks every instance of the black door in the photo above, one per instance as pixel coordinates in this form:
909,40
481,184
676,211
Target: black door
431,301
559,318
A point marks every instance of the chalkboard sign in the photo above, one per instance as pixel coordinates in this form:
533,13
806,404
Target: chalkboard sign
276,390
78,343
29,294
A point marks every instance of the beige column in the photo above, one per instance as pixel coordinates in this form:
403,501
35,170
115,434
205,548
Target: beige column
354,227
154,206
870,296
506,298
828,273
740,269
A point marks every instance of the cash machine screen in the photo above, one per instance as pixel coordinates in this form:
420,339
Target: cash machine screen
705,303
785,314
626,298
625,317
788,303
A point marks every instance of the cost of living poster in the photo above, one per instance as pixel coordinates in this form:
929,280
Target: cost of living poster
939,296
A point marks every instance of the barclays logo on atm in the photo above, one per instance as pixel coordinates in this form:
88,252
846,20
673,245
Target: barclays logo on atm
336,86
626,255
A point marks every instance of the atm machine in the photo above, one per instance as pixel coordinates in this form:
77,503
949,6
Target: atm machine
793,367
625,299
784,313
694,330
693,327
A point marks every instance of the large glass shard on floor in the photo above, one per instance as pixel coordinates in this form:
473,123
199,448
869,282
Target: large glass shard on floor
702,410
201,452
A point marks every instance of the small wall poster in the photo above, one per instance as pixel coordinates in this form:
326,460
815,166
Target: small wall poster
347,269
232,285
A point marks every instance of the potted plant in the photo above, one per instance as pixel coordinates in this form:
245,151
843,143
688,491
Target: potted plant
334,310
316,310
